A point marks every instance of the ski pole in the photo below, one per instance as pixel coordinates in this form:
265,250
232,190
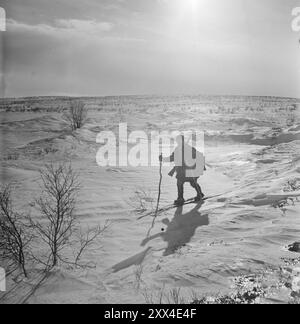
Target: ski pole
159,187
158,197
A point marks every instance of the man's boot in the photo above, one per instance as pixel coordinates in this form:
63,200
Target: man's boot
179,202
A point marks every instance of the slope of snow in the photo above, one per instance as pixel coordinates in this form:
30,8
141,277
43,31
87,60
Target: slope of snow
252,155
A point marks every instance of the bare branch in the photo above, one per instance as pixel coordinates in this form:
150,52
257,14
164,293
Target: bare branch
57,204
14,237
76,115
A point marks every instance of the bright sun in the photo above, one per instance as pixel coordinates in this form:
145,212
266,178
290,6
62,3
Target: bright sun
192,4
186,15
186,20
189,6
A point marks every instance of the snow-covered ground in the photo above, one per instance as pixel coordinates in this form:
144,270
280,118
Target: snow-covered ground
252,151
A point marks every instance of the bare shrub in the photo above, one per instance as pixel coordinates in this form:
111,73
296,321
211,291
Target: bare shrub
138,273
84,240
282,204
292,185
173,296
141,201
291,120
247,295
57,204
12,156
77,114
148,297
14,239
154,298
59,228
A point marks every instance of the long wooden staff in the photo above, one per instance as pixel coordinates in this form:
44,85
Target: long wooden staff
158,198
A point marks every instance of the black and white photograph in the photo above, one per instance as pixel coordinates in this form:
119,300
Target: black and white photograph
149,154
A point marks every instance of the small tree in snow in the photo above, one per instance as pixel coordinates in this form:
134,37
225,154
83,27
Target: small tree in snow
14,237
59,228
57,204
77,114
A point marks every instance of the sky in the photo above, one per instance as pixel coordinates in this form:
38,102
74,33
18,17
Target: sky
133,47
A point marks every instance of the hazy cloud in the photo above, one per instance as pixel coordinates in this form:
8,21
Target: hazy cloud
108,47
85,26
62,26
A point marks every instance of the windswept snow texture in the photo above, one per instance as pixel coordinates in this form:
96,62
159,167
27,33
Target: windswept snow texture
252,152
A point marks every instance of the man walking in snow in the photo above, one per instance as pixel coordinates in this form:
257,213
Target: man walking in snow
189,166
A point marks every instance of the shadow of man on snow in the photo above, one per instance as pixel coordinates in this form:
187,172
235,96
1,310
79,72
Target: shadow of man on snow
181,229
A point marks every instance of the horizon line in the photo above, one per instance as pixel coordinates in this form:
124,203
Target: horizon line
146,95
